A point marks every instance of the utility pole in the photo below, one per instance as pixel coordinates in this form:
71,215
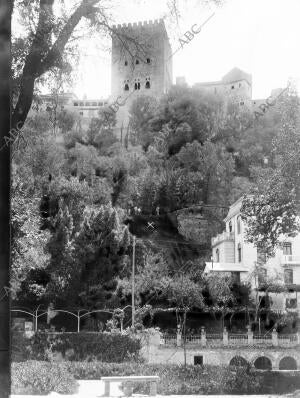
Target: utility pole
133,282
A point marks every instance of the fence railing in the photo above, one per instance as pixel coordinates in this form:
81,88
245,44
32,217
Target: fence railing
226,339
168,339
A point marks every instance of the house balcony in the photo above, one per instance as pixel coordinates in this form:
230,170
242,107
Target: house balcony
225,267
224,236
290,260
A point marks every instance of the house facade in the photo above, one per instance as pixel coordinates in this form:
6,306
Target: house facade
233,255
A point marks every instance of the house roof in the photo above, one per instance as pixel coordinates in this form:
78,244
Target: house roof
236,74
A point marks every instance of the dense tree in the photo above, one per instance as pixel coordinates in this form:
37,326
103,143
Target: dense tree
102,254
272,209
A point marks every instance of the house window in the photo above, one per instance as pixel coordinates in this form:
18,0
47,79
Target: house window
126,63
75,103
198,360
137,61
291,303
242,103
148,60
261,256
230,226
81,104
94,103
87,104
232,87
287,248
239,252
81,113
238,221
217,256
262,275
236,277
288,276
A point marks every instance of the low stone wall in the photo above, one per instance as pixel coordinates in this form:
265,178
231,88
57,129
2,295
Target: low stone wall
154,352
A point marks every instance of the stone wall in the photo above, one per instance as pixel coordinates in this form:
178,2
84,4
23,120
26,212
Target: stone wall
154,352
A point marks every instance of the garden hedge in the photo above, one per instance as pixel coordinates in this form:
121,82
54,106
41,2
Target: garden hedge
104,347
43,377
37,377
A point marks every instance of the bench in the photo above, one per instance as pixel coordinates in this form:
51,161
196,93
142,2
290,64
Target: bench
152,379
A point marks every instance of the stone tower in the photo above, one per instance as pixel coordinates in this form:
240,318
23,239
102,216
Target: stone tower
141,65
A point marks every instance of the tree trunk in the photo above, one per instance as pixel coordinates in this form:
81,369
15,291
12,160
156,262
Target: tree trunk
184,337
5,30
41,58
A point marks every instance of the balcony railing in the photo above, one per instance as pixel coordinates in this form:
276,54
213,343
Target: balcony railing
290,260
232,340
222,237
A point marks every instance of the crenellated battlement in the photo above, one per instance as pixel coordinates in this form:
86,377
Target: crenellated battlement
133,25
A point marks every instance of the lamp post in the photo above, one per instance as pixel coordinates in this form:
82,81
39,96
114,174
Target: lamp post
133,283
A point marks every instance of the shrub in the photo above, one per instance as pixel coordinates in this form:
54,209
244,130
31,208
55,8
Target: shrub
104,347
35,377
20,347
175,379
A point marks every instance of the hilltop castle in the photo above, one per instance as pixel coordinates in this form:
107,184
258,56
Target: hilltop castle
141,64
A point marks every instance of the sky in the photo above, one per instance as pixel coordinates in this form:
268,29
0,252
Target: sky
260,37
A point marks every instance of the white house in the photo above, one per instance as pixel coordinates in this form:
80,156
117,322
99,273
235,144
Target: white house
232,254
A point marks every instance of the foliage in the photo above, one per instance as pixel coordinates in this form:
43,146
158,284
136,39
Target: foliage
101,253
271,210
29,258
176,379
36,377
104,347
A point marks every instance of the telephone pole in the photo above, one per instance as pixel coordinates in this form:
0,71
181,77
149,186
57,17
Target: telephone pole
133,282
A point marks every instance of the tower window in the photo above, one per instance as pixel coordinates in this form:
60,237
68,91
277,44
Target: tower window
137,61
238,221
126,87
147,82
126,63
239,253
75,103
217,256
148,60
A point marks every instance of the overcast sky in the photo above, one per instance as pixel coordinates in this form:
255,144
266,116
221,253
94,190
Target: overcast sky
259,36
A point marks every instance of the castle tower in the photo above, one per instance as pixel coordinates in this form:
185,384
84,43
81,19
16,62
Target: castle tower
141,65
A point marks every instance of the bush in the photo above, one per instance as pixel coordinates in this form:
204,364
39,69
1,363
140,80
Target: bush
20,347
104,347
33,377
175,379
